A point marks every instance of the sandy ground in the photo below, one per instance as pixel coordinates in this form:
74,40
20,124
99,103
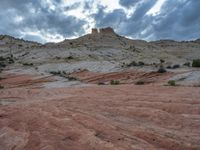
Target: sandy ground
98,117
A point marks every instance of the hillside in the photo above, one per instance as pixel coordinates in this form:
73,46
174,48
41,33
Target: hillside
92,50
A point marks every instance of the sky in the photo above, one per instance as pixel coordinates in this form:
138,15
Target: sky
55,20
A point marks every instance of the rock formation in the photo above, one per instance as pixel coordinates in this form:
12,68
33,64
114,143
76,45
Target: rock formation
107,30
94,31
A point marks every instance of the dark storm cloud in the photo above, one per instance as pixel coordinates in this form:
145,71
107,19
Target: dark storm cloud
38,16
178,20
73,6
112,19
128,3
139,21
132,26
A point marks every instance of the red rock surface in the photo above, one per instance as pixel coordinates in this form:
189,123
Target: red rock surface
125,77
106,117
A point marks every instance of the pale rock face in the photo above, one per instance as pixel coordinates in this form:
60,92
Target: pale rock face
107,30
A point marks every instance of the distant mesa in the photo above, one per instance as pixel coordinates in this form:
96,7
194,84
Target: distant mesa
107,30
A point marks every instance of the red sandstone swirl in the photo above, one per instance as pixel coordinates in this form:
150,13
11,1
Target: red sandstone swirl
122,117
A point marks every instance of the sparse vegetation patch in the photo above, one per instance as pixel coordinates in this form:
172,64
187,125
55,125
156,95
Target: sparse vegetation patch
114,82
196,63
4,61
176,66
133,63
169,67
70,78
161,70
172,82
27,64
187,64
1,87
63,74
55,72
140,82
101,83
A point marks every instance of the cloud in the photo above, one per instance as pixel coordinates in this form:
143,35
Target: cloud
111,19
54,20
178,20
129,26
128,3
39,16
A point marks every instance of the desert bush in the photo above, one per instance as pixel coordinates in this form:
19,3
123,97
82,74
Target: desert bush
101,83
1,78
161,70
1,86
140,63
133,63
172,82
10,60
2,65
70,78
187,64
140,82
70,57
169,67
27,64
2,58
162,60
196,63
176,66
55,72
114,82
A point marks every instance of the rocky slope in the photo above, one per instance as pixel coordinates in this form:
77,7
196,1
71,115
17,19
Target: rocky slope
93,50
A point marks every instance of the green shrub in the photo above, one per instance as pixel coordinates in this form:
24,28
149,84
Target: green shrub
162,60
172,82
176,66
140,82
70,57
187,64
1,87
1,78
2,58
10,60
27,64
196,63
133,63
140,63
161,70
114,82
101,83
70,78
2,65
169,67
2,62
55,72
